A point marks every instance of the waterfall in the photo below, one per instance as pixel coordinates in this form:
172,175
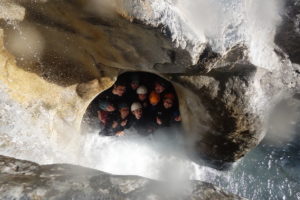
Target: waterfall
268,172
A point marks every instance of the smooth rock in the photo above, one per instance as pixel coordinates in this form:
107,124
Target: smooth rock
27,180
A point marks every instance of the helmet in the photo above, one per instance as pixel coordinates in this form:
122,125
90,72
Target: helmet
169,96
154,98
141,90
135,106
103,105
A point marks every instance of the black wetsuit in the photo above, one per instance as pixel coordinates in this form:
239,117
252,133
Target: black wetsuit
108,96
144,103
119,120
130,95
143,126
107,128
167,116
110,117
151,112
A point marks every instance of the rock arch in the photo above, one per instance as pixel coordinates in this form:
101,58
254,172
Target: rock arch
146,78
223,97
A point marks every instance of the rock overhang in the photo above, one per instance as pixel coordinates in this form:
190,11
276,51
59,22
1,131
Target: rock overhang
79,46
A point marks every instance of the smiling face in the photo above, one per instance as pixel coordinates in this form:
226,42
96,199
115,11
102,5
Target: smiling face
134,85
138,113
168,103
119,90
142,97
124,112
159,88
110,108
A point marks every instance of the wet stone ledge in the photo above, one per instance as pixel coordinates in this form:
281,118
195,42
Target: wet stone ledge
27,180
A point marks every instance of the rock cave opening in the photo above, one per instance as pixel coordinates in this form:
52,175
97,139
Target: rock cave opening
140,103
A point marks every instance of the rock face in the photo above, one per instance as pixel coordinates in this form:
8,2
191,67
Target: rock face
27,180
237,97
67,45
288,34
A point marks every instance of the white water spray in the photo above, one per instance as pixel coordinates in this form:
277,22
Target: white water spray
227,23
25,132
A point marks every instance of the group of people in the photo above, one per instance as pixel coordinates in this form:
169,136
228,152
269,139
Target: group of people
141,104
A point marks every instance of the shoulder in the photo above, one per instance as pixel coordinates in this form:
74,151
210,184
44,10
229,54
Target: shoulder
104,94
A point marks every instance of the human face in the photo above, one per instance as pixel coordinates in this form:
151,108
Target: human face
138,113
168,103
110,108
134,85
119,90
124,112
142,97
159,88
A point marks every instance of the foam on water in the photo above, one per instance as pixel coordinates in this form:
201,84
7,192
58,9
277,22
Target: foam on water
152,157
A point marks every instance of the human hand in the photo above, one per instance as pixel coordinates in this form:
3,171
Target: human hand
158,121
120,133
178,118
123,123
115,124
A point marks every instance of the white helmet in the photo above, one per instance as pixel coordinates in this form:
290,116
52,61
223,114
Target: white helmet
135,106
141,90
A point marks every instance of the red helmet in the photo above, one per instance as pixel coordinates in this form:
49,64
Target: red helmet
169,96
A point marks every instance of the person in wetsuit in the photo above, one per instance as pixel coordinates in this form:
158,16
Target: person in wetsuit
124,119
154,104
132,86
167,113
142,96
115,94
161,87
107,116
140,122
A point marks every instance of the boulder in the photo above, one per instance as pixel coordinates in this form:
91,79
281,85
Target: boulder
21,179
288,33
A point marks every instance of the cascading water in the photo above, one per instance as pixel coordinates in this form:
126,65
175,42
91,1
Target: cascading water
268,172
26,134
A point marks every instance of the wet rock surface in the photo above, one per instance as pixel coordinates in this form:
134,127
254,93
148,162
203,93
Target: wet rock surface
27,180
223,98
288,34
77,44
236,95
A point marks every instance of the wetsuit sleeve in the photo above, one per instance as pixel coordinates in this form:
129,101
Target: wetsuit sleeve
130,121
